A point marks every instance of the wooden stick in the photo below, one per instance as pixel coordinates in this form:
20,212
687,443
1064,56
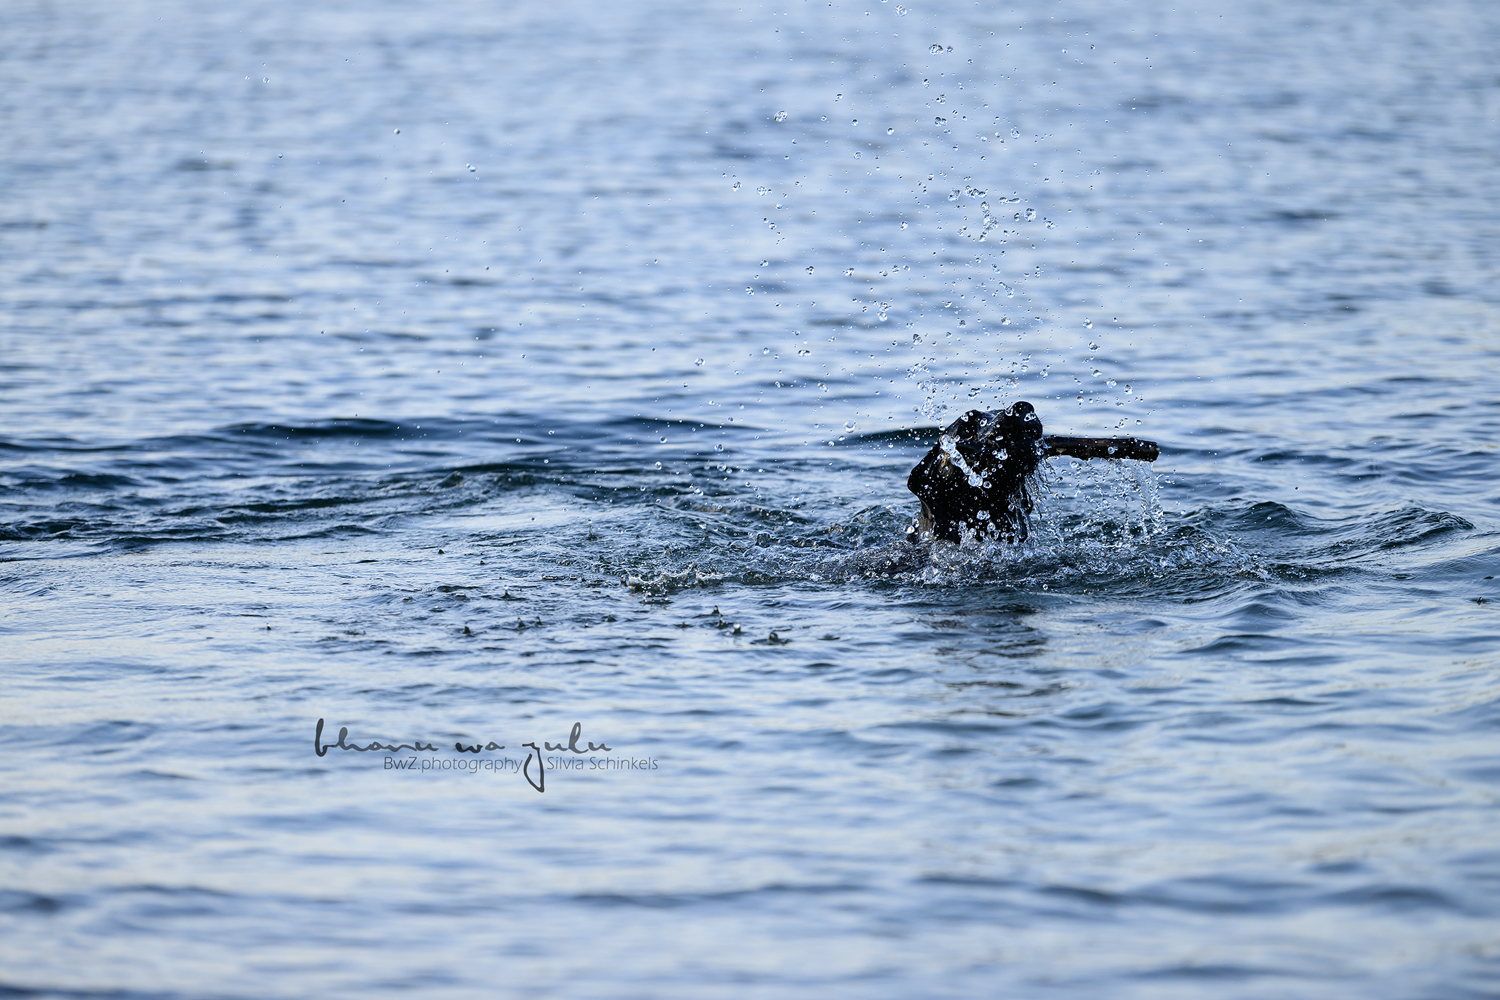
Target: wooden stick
1141,451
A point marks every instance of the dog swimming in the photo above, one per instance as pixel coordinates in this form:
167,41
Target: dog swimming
976,480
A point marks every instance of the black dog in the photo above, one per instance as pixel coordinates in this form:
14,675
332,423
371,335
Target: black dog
975,479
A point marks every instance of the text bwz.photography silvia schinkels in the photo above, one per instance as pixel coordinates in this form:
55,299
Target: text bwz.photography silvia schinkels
580,761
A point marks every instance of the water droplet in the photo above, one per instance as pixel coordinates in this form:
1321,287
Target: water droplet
809,269
849,273
663,440
1093,346
934,48
1088,324
781,116
854,121
1031,215
890,131
1097,373
471,167
699,362
858,155
658,464
765,350
765,263
848,425
903,225
736,186
398,131
1015,133
719,447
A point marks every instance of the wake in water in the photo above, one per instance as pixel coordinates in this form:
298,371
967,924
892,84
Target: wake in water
583,501
1092,523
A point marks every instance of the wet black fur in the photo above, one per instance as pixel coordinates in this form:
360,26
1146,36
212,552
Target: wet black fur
1004,448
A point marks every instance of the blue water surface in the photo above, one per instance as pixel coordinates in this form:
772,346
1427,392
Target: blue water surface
456,374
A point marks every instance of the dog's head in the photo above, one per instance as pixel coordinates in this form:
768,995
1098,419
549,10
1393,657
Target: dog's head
1000,445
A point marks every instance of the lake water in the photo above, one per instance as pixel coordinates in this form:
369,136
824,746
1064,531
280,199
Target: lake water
456,374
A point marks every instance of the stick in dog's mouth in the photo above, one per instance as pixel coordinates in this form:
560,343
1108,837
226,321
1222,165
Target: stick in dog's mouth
975,479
